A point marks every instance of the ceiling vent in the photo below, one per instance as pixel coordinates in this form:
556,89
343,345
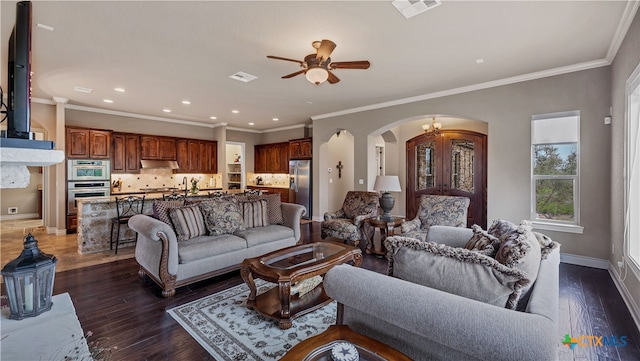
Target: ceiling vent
411,8
243,77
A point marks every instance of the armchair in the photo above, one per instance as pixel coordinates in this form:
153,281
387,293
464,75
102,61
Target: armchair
436,210
347,223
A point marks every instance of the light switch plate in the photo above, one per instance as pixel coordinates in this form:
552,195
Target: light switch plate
360,181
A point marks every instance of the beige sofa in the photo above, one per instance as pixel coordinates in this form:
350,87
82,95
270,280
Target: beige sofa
171,263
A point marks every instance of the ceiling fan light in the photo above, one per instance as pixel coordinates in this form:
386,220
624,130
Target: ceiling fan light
317,75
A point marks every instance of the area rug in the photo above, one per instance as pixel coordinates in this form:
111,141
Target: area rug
228,330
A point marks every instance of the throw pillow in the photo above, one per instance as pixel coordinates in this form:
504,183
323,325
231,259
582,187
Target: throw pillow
483,242
274,206
222,216
161,210
546,244
458,271
255,213
187,222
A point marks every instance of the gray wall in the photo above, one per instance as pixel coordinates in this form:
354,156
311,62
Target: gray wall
507,110
626,60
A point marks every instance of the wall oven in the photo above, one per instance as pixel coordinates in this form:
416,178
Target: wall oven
86,190
88,169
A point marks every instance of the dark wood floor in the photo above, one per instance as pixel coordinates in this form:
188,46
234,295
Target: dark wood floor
129,316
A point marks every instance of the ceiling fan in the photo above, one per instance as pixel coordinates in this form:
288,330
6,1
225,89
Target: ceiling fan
317,67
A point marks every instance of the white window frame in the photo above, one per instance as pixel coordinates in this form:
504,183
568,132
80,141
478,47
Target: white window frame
557,225
631,172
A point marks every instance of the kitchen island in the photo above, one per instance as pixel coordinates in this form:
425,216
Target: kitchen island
94,218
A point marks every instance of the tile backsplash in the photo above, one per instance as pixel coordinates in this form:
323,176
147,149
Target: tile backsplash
157,178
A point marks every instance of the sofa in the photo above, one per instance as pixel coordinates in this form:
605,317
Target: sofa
183,244
427,323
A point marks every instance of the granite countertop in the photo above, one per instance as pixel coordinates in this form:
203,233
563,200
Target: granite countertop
267,186
157,195
138,191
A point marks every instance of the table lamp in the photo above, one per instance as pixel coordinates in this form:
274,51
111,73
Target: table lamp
386,184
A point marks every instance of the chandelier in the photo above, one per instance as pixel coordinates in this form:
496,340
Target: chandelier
433,127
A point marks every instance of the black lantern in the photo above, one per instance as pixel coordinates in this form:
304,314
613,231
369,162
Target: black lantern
28,281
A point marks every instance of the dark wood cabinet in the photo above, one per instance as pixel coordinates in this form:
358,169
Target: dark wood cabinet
88,143
157,148
284,192
271,158
197,156
126,153
451,163
301,148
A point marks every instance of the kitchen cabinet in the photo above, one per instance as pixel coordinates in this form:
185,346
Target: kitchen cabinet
197,156
271,158
450,163
157,148
284,192
72,224
300,148
126,153
82,143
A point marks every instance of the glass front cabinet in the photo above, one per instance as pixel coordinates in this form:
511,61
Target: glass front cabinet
453,163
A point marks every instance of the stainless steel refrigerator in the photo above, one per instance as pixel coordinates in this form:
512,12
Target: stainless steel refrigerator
300,184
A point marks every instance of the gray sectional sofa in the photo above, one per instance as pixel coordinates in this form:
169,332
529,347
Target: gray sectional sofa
172,261
426,323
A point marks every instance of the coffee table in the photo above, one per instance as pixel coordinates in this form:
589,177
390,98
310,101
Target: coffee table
288,266
318,348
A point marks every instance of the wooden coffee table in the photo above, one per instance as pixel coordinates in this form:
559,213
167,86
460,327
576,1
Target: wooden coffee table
288,266
319,347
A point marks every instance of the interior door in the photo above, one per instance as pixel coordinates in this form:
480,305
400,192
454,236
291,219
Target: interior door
451,163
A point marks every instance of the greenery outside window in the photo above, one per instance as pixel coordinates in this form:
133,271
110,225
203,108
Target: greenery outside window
555,180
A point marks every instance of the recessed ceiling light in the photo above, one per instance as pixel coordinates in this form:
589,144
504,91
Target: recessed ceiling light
186,102
45,27
82,89
119,90
275,119
252,123
235,111
479,61
309,102
166,110
107,100
213,118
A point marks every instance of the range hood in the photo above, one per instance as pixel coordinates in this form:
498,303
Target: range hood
151,164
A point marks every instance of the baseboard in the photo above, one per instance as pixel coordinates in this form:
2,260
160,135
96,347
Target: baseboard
584,261
56,231
9,217
318,219
626,296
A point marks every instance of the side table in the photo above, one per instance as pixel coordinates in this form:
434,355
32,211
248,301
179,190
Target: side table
318,347
386,230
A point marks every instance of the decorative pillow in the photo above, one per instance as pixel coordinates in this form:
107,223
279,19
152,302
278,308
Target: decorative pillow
222,216
255,213
546,244
274,206
188,222
161,210
483,242
458,271
515,241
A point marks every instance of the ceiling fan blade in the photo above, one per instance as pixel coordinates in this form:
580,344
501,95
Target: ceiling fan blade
332,79
325,49
362,64
286,59
294,74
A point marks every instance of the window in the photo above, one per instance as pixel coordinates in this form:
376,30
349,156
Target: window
632,169
555,163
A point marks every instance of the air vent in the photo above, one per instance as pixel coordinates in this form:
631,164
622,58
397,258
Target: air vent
243,77
82,89
411,8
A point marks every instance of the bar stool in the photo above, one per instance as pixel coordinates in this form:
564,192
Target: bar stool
175,197
126,208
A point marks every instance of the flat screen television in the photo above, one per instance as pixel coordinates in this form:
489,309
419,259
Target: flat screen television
18,132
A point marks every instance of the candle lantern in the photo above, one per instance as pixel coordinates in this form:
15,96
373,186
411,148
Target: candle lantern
28,281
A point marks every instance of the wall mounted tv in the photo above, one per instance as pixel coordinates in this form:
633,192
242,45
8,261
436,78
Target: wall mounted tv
18,132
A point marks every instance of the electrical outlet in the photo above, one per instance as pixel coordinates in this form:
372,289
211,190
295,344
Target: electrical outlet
620,264
12,210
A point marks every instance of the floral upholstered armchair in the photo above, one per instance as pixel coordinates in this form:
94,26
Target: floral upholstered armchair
348,222
436,210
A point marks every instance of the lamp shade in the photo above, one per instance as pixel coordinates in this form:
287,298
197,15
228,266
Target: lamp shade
388,183
317,75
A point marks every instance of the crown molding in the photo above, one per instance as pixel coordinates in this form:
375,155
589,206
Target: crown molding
623,27
469,88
